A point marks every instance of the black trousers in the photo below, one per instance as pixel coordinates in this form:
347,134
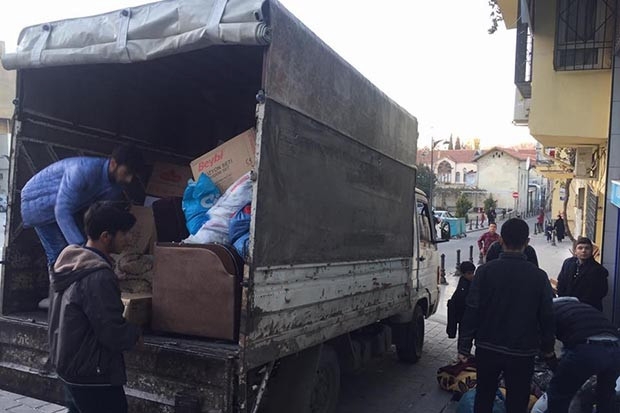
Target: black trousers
518,373
101,399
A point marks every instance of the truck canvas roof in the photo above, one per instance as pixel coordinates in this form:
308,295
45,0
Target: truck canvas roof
141,33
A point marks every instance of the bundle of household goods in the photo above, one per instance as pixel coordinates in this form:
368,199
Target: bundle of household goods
184,271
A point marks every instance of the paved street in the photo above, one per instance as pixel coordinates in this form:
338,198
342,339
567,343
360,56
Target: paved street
14,403
386,385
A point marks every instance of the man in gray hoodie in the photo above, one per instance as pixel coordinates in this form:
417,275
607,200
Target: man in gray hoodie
87,331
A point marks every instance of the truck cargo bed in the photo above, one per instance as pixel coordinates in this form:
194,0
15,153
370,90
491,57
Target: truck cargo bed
166,367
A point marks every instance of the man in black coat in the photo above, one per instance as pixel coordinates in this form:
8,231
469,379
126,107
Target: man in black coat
591,346
582,277
87,331
496,249
509,313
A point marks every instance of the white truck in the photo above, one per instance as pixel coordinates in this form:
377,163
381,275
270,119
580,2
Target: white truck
343,259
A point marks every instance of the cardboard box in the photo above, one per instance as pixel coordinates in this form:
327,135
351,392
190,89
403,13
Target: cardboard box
168,180
143,234
137,308
229,161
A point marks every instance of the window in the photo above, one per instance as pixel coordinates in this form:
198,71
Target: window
424,223
444,172
584,35
457,178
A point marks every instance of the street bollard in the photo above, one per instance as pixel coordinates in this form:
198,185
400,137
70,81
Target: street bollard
553,238
442,272
470,224
476,222
471,253
457,273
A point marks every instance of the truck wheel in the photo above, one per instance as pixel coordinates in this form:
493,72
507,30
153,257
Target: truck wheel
326,388
410,338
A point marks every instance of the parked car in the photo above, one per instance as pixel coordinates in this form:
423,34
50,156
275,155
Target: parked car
441,215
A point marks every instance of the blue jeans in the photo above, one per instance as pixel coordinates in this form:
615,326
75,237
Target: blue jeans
53,241
576,366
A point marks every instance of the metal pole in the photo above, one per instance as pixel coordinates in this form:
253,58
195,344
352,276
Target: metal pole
476,222
471,253
458,263
442,272
553,238
432,176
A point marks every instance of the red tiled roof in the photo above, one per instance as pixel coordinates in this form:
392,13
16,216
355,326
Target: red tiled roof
520,154
456,155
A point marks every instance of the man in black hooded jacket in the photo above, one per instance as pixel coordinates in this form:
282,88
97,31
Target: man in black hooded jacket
87,331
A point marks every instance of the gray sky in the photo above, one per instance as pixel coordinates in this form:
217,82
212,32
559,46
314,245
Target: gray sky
434,58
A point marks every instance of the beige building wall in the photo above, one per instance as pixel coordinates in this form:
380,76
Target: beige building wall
7,93
567,107
499,176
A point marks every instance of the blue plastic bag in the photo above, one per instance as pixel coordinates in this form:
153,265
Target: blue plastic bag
239,230
198,198
466,404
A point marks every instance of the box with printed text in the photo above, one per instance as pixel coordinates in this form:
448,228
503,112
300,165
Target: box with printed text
229,161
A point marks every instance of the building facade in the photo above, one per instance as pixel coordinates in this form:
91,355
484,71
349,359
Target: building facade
567,81
505,174
7,94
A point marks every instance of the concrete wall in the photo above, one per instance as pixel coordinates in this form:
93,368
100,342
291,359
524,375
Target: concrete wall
579,98
611,244
7,92
499,176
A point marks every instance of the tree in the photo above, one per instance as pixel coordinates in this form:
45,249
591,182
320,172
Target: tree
496,16
490,203
426,178
450,144
463,204
457,145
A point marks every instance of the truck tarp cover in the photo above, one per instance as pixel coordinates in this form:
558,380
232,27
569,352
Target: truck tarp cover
141,33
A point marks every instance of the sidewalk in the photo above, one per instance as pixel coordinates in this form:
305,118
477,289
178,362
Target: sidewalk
550,259
15,403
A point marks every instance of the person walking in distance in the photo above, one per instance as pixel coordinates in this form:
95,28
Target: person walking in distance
560,229
52,200
486,239
591,347
509,314
582,277
482,218
491,215
87,331
540,220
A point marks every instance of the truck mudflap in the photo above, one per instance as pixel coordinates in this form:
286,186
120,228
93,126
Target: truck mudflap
165,372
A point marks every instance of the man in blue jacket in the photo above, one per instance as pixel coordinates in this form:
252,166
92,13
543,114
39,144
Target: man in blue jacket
51,199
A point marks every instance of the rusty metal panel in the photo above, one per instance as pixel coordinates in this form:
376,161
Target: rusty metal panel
303,73
164,367
323,197
296,308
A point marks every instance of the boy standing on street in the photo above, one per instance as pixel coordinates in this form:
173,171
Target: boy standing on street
509,313
486,239
582,277
456,304
87,331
